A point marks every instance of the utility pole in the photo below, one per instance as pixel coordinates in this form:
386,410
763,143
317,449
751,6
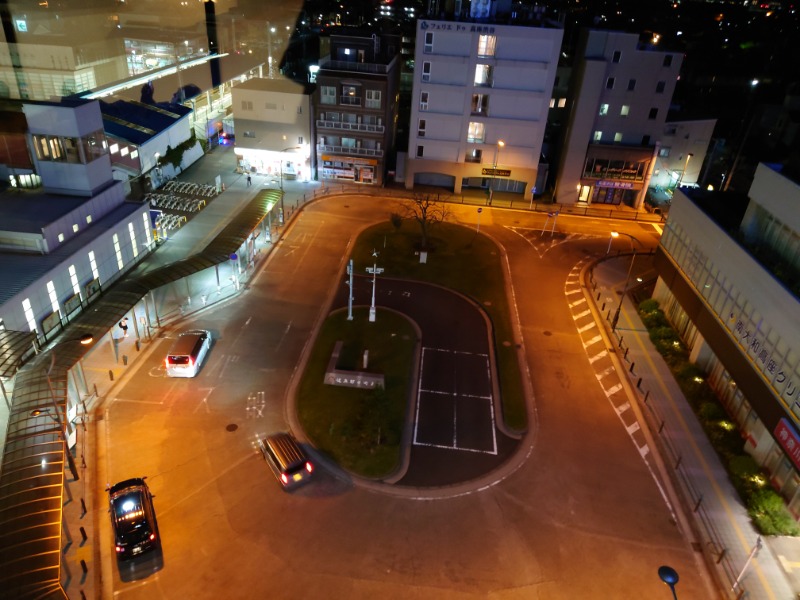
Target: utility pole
374,270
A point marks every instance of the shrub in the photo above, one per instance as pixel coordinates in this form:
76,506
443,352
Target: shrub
769,512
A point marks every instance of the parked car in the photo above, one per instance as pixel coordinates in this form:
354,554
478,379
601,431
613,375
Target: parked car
133,518
286,459
187,353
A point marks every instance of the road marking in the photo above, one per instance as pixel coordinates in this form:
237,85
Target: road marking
600,376
593,341
577,302
613,390
204,399
254,408
283,336
116,399
622,408
631,429
587,327
597,357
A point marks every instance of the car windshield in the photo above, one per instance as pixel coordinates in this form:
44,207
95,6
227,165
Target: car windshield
129,513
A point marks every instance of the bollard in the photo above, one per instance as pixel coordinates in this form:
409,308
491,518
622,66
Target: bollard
83,534
83,507
138,346
639,383
625,356
111,375
598,297
646,396
603,307
83,461
622,337
125,359
631,369
84,568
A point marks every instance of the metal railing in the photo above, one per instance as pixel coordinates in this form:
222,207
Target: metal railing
363,127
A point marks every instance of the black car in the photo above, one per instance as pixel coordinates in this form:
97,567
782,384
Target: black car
133,518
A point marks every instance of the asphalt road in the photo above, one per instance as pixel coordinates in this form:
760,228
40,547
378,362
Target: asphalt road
578,516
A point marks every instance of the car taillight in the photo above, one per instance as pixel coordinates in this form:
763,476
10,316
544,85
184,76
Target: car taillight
152,536
309,467
284,478
191,362
166,362
119,548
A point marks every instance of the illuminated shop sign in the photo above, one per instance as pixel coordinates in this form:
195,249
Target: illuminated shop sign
789,440
461,27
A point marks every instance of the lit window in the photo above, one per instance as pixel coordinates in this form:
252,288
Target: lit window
618,137
623,112
28,310
562,102
124,151
477,132
552,102
146,220
75,228
603,110
51,292
73,279
93,266
486,44
133,240
60,237
483,75
88,219
118,252
114,148
134,154
598,135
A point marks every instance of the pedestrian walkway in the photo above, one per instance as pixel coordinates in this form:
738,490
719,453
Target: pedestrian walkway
725,535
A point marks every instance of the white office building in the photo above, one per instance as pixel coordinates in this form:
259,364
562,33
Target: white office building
728,282
480,102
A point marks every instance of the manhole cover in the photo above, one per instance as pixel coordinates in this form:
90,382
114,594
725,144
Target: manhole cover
232,427
547,333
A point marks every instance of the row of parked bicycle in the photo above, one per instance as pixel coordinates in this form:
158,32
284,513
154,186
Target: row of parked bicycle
167,222
190,188
173,202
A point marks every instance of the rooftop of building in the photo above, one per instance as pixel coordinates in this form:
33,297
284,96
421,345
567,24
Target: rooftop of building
282,86
138,122
25,211
19,270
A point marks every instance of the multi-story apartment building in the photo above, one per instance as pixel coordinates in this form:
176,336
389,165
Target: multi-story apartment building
479,105
728,280
356,106
620,93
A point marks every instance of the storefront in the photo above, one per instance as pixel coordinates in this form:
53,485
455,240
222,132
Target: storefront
350,169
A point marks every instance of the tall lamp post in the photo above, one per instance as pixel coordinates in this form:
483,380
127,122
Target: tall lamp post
374,270
500,144
281,169
685,166
749,117
615,320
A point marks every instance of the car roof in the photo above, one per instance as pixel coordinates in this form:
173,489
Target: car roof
134,482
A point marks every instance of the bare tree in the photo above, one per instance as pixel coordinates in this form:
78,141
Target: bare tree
426,210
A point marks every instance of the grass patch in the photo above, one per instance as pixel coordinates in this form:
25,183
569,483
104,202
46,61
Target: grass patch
464,261
359,429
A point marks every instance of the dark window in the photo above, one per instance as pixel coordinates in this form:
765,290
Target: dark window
419,151
631,85
653,114
668,60
645,140
660,87
617,56
610,83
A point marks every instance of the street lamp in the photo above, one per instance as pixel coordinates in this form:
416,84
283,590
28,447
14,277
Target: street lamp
627,278
669,576
614,234
374,270
500,144
281,169
685,166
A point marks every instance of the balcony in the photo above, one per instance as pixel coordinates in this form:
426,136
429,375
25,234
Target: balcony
349,150
356,67
350,100
361,127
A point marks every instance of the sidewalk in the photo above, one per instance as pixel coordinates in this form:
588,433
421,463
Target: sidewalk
721,522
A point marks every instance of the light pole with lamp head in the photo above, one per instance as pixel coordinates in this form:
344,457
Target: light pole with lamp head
615,320
84,340
500,144
685,166
669,576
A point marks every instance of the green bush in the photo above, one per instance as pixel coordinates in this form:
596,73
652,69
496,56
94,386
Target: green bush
765,506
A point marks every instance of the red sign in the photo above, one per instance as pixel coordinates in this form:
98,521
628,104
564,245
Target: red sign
789,440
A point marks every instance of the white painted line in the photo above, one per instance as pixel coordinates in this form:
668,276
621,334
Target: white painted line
587,327
597,357
644,450
622,408
578,291
592,341
577,302
462,448
602,375
137,401
613,390
582,314
631,429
